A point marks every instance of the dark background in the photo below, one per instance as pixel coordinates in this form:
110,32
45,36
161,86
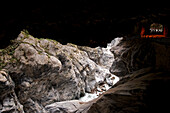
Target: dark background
80,22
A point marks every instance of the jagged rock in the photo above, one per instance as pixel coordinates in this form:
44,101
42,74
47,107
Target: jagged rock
9,101
45,71
133,54
140,89
7,85
101,56
37,74
145,91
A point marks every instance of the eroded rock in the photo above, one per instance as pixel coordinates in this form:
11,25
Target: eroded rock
46,72
144,91
9,100
140,89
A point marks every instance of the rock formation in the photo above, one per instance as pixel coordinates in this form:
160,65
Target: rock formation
144,91
9,100
143,68
43,71
44,76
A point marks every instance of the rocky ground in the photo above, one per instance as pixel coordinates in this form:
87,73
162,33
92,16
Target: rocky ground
44,76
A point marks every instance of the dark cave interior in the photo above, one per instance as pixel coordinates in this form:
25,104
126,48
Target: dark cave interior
78,22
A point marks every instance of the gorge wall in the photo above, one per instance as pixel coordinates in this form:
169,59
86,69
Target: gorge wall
38,72
44,76
143,68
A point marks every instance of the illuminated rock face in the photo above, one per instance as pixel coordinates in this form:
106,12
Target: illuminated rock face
45,71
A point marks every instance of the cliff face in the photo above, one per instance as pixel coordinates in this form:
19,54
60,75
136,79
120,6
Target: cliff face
144,91
134,54
39,72
143,68
42,75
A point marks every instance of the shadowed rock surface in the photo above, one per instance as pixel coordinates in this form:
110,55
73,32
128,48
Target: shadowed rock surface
140,89
132,54
145,91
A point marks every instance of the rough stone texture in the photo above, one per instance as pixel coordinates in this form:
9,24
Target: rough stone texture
45,71
140,89
44,76
134,54
145,91
9,101
72,106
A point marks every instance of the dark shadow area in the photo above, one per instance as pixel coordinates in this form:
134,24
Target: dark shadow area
81,22
157,97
